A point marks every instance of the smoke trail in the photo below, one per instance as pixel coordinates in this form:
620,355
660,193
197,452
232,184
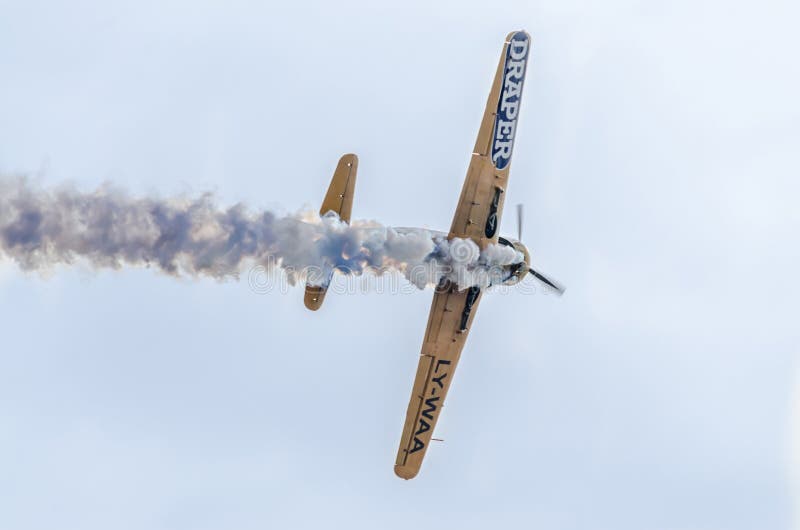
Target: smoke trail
191,237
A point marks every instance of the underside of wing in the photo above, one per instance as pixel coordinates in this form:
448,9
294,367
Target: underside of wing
483,194
451,315
477,217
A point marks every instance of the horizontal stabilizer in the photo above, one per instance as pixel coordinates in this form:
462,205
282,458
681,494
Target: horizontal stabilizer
314,296
338,199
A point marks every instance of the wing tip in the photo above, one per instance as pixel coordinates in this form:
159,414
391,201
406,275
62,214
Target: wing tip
405,472
349,158
511,35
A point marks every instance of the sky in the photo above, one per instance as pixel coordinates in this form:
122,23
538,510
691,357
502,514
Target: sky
656,155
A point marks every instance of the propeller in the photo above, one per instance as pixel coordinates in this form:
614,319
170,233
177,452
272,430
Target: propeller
539,276
545,280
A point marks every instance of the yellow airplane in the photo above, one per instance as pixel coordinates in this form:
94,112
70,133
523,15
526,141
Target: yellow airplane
477,217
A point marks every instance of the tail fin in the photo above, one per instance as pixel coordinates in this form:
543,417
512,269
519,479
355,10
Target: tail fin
339,199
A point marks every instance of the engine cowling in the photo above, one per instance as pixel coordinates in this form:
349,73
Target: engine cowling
517,271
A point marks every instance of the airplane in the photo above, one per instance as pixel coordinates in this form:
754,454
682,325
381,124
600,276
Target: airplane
477,217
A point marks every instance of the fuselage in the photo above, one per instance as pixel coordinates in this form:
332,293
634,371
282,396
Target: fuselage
512,274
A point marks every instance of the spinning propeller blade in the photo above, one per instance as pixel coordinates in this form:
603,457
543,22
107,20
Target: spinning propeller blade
545,280
539,276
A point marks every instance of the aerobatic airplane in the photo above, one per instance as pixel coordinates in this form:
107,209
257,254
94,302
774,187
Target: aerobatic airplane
477,217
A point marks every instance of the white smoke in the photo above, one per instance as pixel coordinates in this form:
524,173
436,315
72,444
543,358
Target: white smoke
107,228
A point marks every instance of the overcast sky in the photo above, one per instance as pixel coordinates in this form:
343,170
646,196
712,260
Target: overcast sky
657,155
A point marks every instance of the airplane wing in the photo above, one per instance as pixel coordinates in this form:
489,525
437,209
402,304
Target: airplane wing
477,217
451,314
483,194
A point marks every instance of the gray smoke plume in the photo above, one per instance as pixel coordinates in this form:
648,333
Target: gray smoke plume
107,228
